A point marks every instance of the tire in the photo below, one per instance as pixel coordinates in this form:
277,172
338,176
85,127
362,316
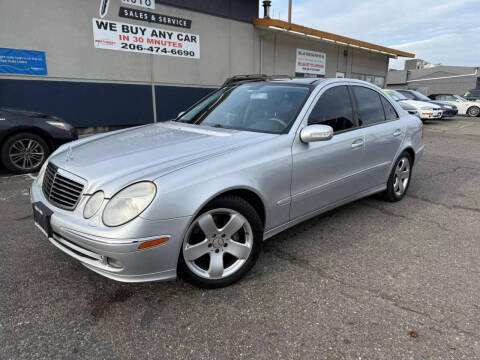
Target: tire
473,111
397,187
207,260
24,153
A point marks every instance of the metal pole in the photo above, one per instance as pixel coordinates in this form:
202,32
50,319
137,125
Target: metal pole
289,11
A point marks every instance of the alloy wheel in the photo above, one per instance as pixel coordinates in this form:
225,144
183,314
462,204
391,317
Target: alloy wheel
26,154
218,243
474,111
401,177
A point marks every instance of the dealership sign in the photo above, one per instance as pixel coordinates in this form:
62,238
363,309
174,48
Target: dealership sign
149,4
115,35
154,18
310,62
24,62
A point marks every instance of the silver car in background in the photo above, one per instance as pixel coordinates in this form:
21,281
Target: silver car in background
197,196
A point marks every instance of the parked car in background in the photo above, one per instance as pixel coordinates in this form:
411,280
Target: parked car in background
27,138
424,110
448,110
412,110
197,196
472,95
465,107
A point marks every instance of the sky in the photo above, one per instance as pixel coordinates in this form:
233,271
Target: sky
439,31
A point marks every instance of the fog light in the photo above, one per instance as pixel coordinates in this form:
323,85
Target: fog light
114,263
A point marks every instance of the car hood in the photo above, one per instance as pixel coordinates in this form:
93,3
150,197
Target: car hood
112,160
27,113
419,104
442,104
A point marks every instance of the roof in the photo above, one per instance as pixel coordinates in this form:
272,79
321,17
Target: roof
283,79
276,24
237,79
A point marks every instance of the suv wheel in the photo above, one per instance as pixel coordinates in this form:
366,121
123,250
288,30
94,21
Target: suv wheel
24,153
222,243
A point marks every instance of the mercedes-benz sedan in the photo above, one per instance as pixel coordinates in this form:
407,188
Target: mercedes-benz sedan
197,196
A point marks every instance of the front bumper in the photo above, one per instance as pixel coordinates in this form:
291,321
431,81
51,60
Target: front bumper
449,113
113,252
430,114
61,137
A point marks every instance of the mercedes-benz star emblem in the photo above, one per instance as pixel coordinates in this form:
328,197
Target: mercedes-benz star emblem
69,154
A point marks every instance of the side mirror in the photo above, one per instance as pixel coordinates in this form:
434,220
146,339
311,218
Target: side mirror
180,114
316,133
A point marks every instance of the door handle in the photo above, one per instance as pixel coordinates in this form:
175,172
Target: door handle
397,132
357,143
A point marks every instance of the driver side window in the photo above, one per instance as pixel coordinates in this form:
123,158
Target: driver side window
334,108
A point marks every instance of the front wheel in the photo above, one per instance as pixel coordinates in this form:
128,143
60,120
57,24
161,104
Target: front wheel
473,111
222,243
24,153
399,178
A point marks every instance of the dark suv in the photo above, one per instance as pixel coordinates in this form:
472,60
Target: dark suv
472,95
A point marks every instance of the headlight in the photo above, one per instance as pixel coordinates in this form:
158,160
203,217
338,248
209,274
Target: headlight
60,125
41,173
448,107
426,108
93,204
128,203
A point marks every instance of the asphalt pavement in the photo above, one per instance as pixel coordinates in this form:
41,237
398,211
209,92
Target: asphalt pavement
370,280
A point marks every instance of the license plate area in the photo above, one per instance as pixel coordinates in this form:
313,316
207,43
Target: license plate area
41,216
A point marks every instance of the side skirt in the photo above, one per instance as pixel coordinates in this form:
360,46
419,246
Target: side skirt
268,234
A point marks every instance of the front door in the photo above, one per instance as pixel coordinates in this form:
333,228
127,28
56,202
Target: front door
326,172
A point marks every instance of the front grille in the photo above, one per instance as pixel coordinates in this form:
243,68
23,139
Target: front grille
60,190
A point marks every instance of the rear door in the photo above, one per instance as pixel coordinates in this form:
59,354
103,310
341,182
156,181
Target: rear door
326,172
383,131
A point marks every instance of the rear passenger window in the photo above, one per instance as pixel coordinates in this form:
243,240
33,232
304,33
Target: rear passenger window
370,108
334,108
390,113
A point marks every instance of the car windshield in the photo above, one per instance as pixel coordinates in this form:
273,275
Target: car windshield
459,98
395,95
420,96
259,106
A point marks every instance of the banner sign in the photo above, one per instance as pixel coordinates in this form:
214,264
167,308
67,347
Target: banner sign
24,62
310,62
115,35
154,18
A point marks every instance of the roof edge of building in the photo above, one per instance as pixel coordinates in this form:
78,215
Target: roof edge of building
323,35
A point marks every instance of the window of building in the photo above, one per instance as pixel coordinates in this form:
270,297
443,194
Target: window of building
377,80
369,105
334,108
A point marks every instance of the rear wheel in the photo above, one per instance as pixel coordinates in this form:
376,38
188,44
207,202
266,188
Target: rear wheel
24,153
473,111
222,243
399,178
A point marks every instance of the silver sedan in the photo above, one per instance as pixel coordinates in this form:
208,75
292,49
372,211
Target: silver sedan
196,196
